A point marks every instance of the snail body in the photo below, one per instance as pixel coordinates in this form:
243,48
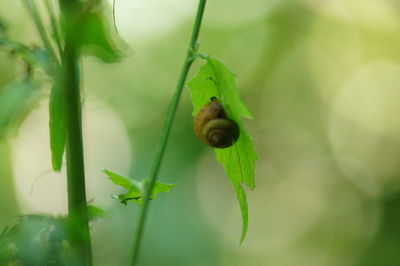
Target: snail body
213,127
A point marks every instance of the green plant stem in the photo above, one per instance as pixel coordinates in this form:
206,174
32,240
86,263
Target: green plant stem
190,56
33,10
77,208
79,234
54,25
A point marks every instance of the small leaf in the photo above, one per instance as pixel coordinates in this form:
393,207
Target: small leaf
215,80
119,180
58,126
94,37
134,193
161,188
136,189
95,212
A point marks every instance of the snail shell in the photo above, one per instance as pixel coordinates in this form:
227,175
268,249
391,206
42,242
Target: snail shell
213,127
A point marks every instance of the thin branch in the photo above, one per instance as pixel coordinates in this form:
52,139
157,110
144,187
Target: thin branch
54,26
193,46
113,14
33,10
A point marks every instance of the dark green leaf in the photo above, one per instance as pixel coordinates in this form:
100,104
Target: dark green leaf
58,126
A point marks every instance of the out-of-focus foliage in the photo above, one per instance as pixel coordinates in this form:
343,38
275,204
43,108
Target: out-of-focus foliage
33,56
92,38
35,240
95,212
40,240
17,98
14,101
321,79
93,35
96,38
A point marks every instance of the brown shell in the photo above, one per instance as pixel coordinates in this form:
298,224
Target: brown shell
214,128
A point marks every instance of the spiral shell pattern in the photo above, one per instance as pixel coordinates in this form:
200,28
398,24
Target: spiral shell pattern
214,128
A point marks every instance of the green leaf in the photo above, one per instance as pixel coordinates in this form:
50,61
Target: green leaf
119,180
135,193
14,101
161,188
239,160
241,196
135,189
58,126
215,80
95,212
94,37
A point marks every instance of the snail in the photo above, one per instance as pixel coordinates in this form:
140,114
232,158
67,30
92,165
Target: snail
213,127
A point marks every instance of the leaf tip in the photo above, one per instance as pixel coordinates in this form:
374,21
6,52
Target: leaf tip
56,167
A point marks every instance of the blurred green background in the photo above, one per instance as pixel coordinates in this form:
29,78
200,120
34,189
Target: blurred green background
322,79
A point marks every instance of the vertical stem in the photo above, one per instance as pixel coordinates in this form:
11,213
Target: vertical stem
54,25
77,208
166,131
79,233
